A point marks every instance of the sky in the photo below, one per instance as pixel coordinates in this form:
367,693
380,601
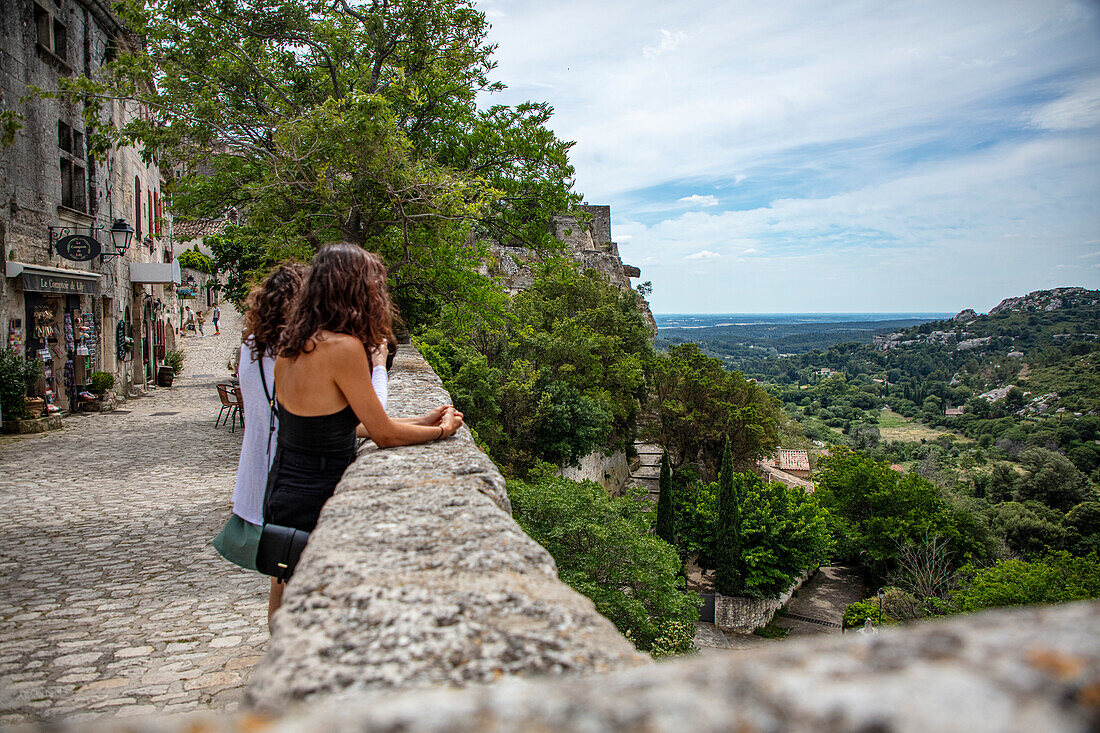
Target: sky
819,156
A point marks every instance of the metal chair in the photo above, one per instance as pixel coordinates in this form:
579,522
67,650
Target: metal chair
230,396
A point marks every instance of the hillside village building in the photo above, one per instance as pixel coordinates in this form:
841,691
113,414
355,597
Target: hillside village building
79,305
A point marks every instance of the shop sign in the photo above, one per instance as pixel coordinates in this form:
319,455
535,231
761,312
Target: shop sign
41,283
78,247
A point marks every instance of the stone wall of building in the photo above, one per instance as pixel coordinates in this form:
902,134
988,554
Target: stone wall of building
48,179
742,615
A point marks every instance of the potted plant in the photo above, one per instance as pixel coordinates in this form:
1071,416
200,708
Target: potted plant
17,376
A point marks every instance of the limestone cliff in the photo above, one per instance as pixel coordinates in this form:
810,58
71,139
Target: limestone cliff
587,237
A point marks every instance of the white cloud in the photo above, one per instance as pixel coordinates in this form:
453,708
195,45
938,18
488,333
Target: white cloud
668,42
705,254
1080,109
698,200
749,251
840,136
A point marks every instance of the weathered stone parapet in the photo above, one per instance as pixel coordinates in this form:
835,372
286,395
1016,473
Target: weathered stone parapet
417,575
1006,671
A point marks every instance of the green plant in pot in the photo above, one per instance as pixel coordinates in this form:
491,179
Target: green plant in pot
101,382
174,359
17,376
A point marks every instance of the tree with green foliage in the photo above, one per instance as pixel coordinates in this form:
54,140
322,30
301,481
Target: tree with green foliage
195,260
783,533
336,121
666,525
700,405
604,549
874,511
559,377
730,580
1052,479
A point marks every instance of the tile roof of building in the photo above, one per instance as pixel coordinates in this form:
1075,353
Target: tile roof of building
188,230
793,460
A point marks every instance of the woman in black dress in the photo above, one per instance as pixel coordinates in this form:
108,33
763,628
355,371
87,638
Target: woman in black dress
323,387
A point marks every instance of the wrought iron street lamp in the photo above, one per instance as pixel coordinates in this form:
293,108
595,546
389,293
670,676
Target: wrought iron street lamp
121,234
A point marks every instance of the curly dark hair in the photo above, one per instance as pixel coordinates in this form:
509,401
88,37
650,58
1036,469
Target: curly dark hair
269,305
345,292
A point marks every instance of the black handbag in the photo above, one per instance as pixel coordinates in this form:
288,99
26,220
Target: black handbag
280,547
279,550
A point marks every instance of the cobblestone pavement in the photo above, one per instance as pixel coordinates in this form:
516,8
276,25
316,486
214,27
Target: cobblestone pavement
112,601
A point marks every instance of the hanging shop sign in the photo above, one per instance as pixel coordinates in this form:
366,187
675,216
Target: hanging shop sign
78,247
44,283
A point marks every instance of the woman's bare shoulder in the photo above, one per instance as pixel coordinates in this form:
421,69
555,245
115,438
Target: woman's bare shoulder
338,345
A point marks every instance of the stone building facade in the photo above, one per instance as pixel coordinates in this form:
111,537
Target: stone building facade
104,313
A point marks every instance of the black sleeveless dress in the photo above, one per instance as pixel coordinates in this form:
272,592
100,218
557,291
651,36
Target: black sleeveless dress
310,458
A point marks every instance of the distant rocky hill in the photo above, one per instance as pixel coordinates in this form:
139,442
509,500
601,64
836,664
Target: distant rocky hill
1047,300
1043,316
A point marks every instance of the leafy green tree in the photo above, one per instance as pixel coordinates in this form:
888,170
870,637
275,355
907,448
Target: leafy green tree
699,405
783,534
875,511
1084,521
730,580
666,525
560,376
1028,529
326,121
604,549
1052,479
196,260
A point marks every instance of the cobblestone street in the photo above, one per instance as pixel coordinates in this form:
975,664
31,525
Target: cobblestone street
112,600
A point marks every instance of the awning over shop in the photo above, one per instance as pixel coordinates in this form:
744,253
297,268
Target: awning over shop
42,279
155,272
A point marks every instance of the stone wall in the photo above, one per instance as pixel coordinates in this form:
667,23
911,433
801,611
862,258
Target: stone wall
742,615
611,472
1006,671
418,576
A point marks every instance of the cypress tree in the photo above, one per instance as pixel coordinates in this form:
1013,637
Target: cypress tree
730,580
666,529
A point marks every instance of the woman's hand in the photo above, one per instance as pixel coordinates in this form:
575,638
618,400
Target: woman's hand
434,416
378,354
450,421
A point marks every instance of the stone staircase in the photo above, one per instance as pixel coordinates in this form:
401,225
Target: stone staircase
645,469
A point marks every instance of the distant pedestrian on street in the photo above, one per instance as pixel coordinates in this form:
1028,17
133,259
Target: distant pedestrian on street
217,316
325,395
189,319
200,319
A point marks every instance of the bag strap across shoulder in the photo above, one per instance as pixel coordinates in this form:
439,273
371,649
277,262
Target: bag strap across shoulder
271,403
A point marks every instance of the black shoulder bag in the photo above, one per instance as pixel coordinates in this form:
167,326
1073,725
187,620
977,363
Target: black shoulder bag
280,547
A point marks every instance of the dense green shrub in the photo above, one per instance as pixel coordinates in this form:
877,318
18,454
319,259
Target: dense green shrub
1058,578
195,260
604,549
17,375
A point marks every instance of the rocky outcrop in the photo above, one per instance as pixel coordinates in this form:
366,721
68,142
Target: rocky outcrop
965,316
417,576
1048,300
587,237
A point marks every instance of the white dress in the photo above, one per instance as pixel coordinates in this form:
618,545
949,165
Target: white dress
248,493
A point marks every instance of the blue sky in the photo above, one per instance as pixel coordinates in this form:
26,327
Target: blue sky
826,156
